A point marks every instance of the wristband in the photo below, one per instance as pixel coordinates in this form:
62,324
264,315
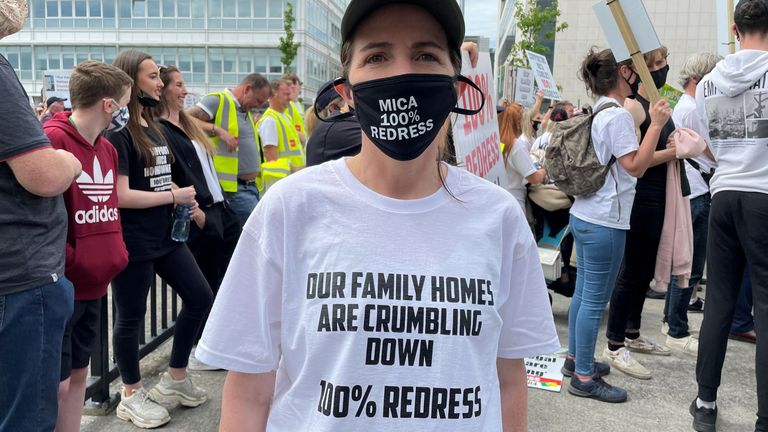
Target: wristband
173,197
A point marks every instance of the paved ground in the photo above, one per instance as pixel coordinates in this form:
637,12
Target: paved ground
660,404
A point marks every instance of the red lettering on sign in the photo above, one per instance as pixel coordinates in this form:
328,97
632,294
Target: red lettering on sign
482,159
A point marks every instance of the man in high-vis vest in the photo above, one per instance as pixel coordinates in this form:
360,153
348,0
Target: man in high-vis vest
283,152
295,109
226,117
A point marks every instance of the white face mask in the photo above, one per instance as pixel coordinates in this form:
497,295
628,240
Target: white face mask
119,119
13,14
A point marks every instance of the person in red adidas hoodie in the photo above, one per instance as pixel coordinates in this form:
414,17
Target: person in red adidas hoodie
95,251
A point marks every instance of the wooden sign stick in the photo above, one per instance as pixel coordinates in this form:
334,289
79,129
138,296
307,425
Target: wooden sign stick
634,50
731,36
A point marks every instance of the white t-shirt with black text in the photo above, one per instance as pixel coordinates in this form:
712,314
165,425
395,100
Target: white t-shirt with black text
613,134
519,166
684,116
381,314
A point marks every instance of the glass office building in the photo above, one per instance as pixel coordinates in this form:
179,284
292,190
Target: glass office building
215,43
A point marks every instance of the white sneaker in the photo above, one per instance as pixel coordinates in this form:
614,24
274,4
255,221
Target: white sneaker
196,365
168,391
141,410
646,346
687,345
622,360
665,329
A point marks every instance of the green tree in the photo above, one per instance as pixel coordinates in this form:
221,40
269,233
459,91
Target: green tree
535,24
288,49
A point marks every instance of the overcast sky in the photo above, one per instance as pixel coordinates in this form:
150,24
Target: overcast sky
481,17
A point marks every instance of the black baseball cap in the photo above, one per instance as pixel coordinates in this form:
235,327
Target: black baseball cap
326,95
53,100
447,13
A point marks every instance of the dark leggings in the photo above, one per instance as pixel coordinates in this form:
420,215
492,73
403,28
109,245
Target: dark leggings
130,289
637,268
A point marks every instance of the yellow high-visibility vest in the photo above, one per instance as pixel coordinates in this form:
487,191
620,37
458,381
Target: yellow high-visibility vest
288,145
271,172
224,161
297,117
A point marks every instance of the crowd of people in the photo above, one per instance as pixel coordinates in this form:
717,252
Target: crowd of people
342,246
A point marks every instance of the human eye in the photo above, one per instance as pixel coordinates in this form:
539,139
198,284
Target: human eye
426,56
374,58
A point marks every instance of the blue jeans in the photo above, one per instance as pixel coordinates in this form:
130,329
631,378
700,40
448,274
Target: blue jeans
676,303
243,201
599,251
743,321
32,324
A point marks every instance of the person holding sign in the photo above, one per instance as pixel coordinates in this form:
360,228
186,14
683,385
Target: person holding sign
384,291
732,101
599,221
646,221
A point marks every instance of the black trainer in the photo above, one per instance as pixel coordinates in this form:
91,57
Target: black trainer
697,306
569,367
704,419
598,389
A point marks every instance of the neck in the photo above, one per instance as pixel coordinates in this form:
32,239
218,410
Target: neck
277,107
690,89
171,114
88,124
616,95
413,179
237,92
754,42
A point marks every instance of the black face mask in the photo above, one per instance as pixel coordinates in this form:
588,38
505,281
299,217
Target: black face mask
660,76
403,114
635,86
147,101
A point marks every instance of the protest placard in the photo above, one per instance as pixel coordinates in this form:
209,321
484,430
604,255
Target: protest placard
476,138
525,93
544,372
543,74
56,83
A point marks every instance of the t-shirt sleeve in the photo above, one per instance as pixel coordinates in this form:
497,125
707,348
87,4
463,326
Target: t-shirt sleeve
27,132
521,160
528,327
620,133
243,330
701,125
122,143
209,104
268,132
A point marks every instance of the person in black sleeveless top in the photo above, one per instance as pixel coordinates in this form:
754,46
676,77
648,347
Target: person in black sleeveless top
646,222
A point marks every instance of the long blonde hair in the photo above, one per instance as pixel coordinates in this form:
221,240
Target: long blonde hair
509,127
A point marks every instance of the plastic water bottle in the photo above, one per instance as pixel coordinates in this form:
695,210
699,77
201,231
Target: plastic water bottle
180,231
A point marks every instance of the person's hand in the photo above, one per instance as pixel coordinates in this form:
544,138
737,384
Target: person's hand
539,95
473,50
671,143
197,215
228,139
660,113
185,195
74,163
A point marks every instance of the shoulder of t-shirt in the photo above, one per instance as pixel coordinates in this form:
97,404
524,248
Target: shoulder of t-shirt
210,104
119,139
470,188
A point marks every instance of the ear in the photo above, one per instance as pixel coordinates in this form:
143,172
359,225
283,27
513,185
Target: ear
346,93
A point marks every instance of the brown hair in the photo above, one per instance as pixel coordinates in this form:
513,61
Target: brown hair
510,127
188,125
275,84
129,61
751,16
292,77
93,81
650,56
600,71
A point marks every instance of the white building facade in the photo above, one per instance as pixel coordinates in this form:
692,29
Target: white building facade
215,43
685,27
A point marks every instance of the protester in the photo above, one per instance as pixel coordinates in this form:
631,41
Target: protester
294,110
395,212
279,137
727,100
642,239
678,300
35,297
599,221
53,106
214,233
336,137
146,199
95,251
517,162
226,117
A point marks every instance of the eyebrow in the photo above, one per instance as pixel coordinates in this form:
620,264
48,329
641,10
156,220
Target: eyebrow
388,45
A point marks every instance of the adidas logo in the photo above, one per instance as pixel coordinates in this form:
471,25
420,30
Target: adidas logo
99,188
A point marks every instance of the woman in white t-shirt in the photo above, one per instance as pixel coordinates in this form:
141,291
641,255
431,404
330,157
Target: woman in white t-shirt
599,221
517,161
385,291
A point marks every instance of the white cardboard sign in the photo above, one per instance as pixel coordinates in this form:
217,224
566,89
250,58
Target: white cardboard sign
525,93
476,138
56,83
543,74
639,22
